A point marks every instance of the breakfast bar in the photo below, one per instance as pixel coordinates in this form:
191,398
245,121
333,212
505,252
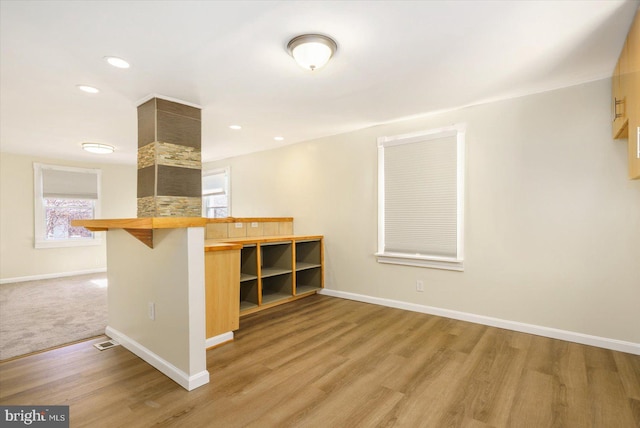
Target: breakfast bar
178,285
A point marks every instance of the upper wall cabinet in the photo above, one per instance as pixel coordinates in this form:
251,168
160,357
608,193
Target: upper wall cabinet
626,97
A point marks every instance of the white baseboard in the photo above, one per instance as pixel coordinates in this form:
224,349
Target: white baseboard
219,339
570,336
50,276
178,376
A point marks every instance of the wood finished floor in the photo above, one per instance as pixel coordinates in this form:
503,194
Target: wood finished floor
328,362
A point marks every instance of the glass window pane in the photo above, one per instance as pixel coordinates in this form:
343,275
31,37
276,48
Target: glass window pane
58,216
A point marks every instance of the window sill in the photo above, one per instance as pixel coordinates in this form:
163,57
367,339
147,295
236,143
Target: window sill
68,243
421,261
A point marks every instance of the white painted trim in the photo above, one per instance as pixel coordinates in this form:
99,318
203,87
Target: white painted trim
39,241
178,376
219,339
51,275
554,333
420,261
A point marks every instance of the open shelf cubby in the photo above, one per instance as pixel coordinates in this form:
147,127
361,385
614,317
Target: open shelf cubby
276,288
248,262
308,255
276,258
248,294
308,280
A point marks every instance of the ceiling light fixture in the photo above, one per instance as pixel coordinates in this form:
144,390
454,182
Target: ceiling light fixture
101,149
235,127
312,51
278,138
88,89
117,62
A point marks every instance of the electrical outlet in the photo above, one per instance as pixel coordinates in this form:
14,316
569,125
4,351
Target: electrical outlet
239,225
254,224
420,285
152,311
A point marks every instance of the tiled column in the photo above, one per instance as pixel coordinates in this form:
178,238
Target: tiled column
169,160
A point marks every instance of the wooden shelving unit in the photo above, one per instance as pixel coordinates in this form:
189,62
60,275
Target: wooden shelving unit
308,262
276,270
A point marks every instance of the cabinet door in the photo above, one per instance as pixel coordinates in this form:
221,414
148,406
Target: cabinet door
633,93
222,287
619,102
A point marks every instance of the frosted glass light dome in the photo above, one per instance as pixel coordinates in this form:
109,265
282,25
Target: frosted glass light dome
312,51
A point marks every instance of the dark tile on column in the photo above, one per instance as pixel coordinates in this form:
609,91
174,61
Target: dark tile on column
147,123
180,130
177,181
146,181
179,109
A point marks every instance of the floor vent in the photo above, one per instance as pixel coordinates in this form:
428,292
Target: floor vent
106,345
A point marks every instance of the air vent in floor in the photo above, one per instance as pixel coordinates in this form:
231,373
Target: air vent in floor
106,345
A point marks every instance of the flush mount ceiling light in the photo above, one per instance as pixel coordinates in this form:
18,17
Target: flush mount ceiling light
117,62
278,138
88,89
235,127
101,149
312,51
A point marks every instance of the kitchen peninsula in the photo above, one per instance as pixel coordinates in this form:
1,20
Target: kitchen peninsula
169,300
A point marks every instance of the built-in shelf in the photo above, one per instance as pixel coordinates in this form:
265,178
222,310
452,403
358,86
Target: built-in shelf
245,305
302,266
267,272
279,269
246,277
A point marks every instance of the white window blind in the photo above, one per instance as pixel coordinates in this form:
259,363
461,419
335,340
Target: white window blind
215,193
66,184
213,184
421,185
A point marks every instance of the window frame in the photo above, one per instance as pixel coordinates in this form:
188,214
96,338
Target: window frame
227,190
424,260
40,232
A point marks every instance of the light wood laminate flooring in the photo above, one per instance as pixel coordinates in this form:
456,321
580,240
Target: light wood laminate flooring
328,362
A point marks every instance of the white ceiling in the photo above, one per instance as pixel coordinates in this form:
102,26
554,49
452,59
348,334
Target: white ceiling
395,59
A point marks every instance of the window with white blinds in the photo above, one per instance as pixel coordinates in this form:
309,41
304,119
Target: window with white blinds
420,198
215,193
63,194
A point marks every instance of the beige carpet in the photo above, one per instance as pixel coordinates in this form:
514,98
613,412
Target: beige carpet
37,315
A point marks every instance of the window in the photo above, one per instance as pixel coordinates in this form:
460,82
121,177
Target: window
63,194
215,193
421,198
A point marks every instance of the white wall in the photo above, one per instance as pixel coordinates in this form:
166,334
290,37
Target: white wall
552,223
18,257
171,276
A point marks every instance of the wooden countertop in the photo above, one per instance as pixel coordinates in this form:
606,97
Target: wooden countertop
237,243
221,246
248,219
141,228
141,223
260,239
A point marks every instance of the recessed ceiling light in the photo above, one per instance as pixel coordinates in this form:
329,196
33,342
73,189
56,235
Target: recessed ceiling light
236,127
101,149
278,138
88,89
117,62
